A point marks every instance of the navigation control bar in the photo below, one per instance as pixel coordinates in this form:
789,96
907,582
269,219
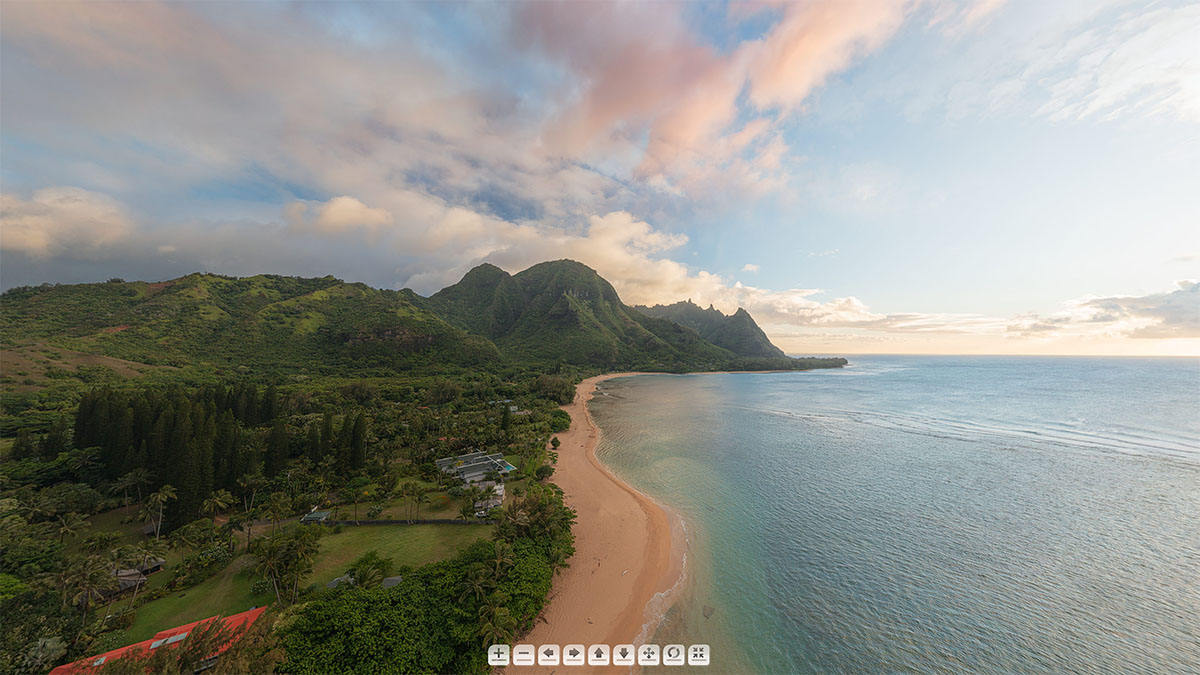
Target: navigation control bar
599,655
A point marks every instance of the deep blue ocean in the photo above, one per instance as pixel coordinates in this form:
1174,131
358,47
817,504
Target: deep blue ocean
927,514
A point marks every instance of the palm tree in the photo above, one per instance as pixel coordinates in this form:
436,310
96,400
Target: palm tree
503,559
421,497
477,583
466,511
558,556
38,506
83,461
250,484
495,623
90,578
404,492
70,523
245,521
217,503
147,549
138,478
270,561
100,541
303,551
278,506
159,500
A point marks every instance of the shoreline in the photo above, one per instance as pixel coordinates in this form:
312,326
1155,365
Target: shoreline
629,550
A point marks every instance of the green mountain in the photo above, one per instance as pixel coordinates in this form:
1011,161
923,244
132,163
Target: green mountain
195,326
565,311
264,324
738,333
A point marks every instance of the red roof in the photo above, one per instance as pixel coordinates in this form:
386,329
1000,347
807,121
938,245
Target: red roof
235,622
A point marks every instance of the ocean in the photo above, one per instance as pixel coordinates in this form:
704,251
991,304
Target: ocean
927,514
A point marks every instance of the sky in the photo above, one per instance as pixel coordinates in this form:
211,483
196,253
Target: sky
863,176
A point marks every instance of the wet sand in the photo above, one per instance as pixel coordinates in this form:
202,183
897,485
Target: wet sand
624,549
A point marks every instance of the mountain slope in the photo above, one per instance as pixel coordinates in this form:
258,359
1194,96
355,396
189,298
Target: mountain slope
738,332
265,323
564,311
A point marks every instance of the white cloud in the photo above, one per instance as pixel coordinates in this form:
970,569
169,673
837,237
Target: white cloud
60,219
338,215
749,267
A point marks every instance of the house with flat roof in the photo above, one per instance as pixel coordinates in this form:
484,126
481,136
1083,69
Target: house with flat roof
473,467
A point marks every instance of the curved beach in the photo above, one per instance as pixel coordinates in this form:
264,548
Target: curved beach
624,549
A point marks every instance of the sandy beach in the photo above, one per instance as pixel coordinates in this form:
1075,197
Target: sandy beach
624,553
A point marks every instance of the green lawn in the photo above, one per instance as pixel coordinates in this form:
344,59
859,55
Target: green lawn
224,594
404,544
229,592
439,506
110,521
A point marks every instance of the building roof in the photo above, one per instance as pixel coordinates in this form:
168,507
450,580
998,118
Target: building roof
344,580
474,463
315,516
150,564
235,622
126,579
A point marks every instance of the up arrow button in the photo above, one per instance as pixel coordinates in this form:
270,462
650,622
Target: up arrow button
598,655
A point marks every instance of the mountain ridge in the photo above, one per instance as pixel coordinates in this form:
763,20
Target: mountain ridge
554,314
737,332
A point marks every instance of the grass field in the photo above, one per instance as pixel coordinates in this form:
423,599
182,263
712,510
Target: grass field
229,592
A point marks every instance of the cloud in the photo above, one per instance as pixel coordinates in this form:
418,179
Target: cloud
749,267
338,215
1146,64
59,219
1173,314
1169,314
709,117
812,41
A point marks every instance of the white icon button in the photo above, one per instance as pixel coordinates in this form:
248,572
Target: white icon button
698,655
522,655
548,655
598,655
498,655
573,655
623,655
673,655
647,655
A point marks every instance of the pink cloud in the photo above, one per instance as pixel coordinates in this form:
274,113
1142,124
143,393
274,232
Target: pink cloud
642,78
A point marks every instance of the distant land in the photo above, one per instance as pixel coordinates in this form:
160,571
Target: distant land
738,332
554,313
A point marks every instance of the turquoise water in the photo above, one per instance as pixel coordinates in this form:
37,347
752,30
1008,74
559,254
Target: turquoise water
947,514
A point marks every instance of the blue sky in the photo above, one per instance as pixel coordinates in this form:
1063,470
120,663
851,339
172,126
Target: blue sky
862,175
